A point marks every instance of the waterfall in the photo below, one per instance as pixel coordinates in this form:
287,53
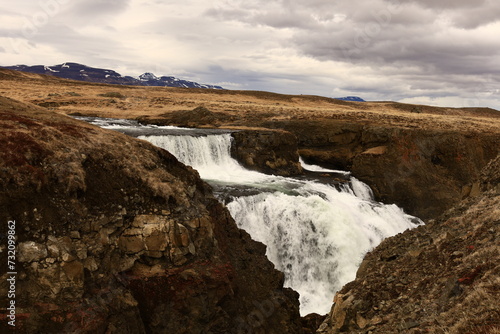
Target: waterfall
209,155
315,233
317,240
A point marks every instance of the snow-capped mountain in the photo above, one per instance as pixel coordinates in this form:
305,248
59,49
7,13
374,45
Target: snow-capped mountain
81,72
351,98
149,79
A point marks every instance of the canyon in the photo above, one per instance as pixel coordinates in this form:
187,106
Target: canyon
116,235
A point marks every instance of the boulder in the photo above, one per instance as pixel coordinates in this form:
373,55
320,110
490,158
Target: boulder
267,151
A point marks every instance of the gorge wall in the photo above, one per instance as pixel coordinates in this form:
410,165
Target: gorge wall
115,235
423,171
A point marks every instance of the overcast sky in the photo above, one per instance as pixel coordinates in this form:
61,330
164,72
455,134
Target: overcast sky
437,52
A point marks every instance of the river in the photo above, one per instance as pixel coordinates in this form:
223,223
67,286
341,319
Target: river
316,230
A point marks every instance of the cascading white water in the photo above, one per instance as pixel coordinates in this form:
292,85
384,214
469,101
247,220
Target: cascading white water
314,168
317,241
316,234
209,155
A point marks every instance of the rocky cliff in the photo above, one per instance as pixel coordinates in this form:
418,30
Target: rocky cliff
443,277
271,152
424,171
116,236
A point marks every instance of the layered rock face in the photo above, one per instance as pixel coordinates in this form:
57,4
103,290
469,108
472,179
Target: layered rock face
271,152
116,236
443,277
424,171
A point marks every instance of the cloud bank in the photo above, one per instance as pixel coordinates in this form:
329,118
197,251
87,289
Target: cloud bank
419,51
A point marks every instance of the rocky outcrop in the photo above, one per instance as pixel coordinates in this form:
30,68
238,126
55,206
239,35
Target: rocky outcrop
116,236
197,117
271,152
439,278
424,171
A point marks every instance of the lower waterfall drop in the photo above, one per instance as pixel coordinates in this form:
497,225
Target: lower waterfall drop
317,240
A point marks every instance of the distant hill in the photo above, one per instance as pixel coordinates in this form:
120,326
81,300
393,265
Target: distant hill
350,98
81,72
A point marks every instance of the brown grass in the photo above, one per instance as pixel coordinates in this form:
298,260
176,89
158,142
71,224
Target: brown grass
246,108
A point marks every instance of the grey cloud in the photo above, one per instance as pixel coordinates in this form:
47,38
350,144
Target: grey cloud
100,7
412,57
477,17
68,41
289,83
444,4
463,13
89,12
7,11
406,32
236,14
276,17
285,20
385,42
383,49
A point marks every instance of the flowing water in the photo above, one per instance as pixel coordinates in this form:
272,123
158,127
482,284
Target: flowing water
316,232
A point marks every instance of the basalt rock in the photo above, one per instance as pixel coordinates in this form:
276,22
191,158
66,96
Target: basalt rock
424,171
115,235
271,151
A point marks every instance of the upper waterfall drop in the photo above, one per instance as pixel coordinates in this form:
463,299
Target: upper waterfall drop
210,155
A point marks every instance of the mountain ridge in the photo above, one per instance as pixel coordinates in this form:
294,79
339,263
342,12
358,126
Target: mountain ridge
81,72
350,99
